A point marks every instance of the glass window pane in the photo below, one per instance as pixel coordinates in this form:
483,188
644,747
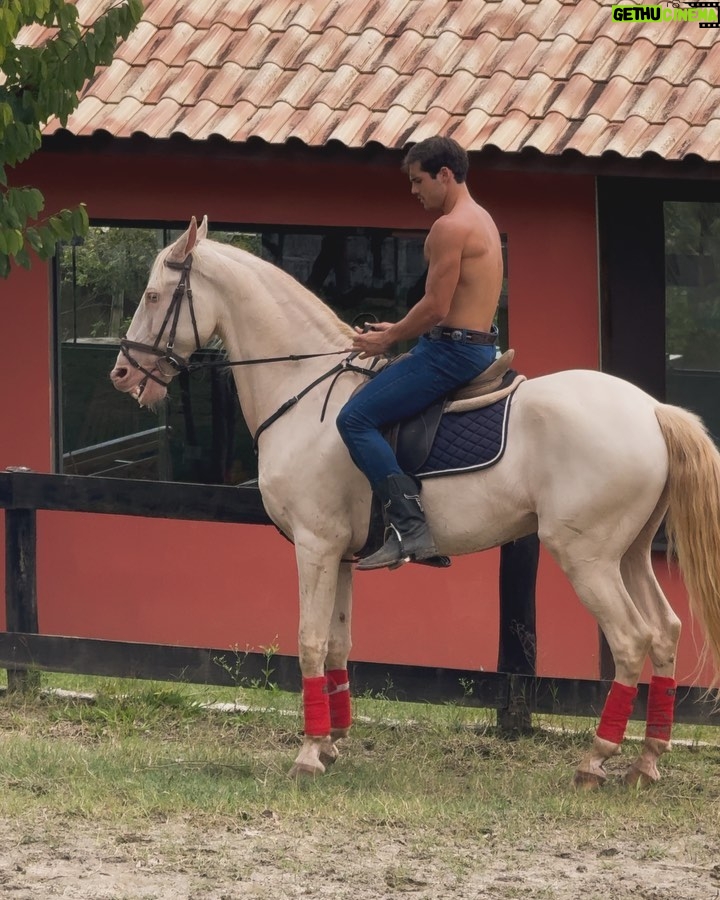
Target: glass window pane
199,434
692,308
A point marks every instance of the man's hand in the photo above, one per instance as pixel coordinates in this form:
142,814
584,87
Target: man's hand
373,340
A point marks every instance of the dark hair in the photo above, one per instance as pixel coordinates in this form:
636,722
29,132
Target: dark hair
435,152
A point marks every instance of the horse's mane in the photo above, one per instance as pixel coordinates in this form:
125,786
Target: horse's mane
285,288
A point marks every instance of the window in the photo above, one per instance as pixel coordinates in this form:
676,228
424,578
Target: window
199,434
692,308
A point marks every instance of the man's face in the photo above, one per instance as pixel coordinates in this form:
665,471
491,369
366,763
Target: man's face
429,191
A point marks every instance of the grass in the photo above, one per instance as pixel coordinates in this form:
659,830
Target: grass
146,751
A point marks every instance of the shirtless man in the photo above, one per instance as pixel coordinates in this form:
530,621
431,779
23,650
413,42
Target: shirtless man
454,324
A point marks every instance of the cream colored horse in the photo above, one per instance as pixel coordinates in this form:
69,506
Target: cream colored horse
592,464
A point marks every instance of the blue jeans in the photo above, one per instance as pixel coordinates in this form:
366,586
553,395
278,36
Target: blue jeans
401,390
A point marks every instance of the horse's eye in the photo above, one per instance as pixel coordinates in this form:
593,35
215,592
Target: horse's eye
151,296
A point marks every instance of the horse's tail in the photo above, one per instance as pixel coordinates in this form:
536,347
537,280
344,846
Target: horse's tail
693,519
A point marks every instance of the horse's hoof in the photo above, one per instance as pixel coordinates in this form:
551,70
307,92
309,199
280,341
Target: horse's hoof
329,755
588,781
305,770
636,778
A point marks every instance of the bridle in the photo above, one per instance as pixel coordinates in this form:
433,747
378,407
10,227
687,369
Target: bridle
167,355
177,364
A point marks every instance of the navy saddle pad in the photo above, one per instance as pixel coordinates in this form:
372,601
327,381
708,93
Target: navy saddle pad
447,443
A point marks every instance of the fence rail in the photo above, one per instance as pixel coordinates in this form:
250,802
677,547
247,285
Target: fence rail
515,691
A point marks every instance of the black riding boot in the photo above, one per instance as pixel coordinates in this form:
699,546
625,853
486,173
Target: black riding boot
407,536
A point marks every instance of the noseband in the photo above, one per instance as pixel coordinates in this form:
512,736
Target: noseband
175,362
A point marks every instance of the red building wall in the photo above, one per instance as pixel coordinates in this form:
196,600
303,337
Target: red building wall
201,584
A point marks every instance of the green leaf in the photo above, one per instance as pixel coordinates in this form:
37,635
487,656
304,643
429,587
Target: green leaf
22,258
15,240
34,239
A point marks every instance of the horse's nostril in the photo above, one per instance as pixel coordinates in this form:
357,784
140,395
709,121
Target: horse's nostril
118,374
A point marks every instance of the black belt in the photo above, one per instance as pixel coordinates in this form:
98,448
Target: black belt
462,335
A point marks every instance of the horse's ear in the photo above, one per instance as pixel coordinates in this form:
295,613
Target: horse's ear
203,229
183,246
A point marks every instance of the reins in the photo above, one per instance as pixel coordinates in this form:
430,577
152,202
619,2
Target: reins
177,363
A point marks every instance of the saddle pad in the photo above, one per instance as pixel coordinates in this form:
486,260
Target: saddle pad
467,441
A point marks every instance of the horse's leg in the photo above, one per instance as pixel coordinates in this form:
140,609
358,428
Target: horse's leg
340,642
318,578
638,575
600,587
628,637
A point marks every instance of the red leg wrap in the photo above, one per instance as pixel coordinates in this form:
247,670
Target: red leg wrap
316,706
660,708
339,690
616,712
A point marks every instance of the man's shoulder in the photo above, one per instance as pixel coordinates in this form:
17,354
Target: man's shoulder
454,226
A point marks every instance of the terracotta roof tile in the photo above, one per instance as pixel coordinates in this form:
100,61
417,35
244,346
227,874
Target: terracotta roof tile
645,100
300,86
709,68
457,92
556,57
287,46
570,22
600,60
107,80
636,61
400,53
633,132
586,134
361,49
513,59
414,92
537,19
328,49
352,124
307,124
671,134
252,45
139,43
432,17
230,122
492,96
553,75
507,135
696,104
685,57
571,100
477,55
545,135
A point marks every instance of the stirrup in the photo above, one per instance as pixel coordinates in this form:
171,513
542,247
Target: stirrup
392,556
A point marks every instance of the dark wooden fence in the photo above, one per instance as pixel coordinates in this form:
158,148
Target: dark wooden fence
515,691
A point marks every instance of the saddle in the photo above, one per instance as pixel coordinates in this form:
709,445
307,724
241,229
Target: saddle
464,431
412,439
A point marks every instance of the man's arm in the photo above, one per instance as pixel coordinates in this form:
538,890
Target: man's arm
444,247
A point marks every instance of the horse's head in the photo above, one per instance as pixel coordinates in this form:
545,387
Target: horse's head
166,328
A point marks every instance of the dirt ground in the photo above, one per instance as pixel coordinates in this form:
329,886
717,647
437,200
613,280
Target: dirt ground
270,858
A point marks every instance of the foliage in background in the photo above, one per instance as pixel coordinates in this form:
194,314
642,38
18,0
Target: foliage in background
37,84
692,300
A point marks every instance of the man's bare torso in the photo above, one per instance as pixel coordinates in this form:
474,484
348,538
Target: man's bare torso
475,300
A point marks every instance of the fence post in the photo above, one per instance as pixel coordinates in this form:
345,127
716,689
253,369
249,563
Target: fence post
21,586
518,638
